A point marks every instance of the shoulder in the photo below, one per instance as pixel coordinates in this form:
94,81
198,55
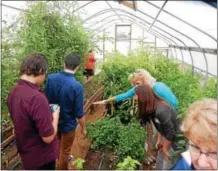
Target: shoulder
53,75
39,98
160,85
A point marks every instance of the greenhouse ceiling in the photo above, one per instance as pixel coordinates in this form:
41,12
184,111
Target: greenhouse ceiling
189,28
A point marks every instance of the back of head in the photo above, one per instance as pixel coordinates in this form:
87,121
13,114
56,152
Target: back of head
200,122
72,61
147,99
142,74
34,64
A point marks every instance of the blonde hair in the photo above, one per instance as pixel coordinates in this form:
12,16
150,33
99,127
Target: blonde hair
200,123
143,75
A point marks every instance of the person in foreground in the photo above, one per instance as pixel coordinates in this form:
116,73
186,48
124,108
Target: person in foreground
200,128
34,125
63,89
153,108
140,77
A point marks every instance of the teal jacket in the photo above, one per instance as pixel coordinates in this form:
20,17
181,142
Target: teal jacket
159,88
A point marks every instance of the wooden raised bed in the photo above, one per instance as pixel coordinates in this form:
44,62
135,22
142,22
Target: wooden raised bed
10,156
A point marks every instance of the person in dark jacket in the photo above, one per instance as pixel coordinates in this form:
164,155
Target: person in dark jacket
154,109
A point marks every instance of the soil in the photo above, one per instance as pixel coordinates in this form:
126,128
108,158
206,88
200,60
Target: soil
100,160
92,160
81,144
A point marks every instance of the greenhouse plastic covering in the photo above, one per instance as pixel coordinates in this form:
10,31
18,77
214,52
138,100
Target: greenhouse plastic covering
187,29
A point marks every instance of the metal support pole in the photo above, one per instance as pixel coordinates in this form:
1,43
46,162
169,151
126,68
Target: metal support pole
103,44
157,15
115,46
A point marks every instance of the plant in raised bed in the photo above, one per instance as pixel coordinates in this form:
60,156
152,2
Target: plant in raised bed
131,141
128,164
125,110
110,133
104,133
78,163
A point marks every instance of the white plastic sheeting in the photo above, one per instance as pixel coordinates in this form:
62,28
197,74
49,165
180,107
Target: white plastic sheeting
180,23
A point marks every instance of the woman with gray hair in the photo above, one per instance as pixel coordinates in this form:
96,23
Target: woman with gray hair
200,128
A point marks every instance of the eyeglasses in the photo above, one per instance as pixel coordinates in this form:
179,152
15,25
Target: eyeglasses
195,150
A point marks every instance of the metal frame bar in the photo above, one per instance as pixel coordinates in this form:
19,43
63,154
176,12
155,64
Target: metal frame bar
182,21
8,6
205,50
113,9
107,10
130,42
157,15
160,37
154,34
156,31
143,28
83,6
205,58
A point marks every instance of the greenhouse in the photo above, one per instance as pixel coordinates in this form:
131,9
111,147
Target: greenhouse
109,85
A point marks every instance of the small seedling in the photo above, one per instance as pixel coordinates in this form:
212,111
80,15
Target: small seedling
128,164
78,163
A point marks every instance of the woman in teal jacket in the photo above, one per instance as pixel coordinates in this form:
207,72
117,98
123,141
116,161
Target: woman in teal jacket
140,77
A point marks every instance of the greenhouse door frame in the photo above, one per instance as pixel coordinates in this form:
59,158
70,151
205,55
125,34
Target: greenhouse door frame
122,40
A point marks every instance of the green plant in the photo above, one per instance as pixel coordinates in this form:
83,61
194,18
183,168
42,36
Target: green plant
110,133
46,29
125,110
78,163
128,164
131,141
104,133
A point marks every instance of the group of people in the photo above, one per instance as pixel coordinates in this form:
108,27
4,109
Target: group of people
37,129
158,105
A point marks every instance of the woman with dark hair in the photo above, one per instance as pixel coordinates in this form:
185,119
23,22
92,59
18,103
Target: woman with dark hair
153,108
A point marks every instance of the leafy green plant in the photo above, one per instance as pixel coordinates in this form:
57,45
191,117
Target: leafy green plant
104,133
128,164
110,133
78,163
46,29
125,110
186,87
131,141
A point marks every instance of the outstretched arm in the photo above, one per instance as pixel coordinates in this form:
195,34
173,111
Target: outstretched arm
130,93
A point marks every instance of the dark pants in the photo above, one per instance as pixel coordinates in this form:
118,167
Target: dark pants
49,166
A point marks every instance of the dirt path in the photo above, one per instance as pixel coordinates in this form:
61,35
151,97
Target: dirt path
81,144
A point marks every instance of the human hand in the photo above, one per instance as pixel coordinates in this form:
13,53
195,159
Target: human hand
100,102
159,145
84,131
56,114
166,154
